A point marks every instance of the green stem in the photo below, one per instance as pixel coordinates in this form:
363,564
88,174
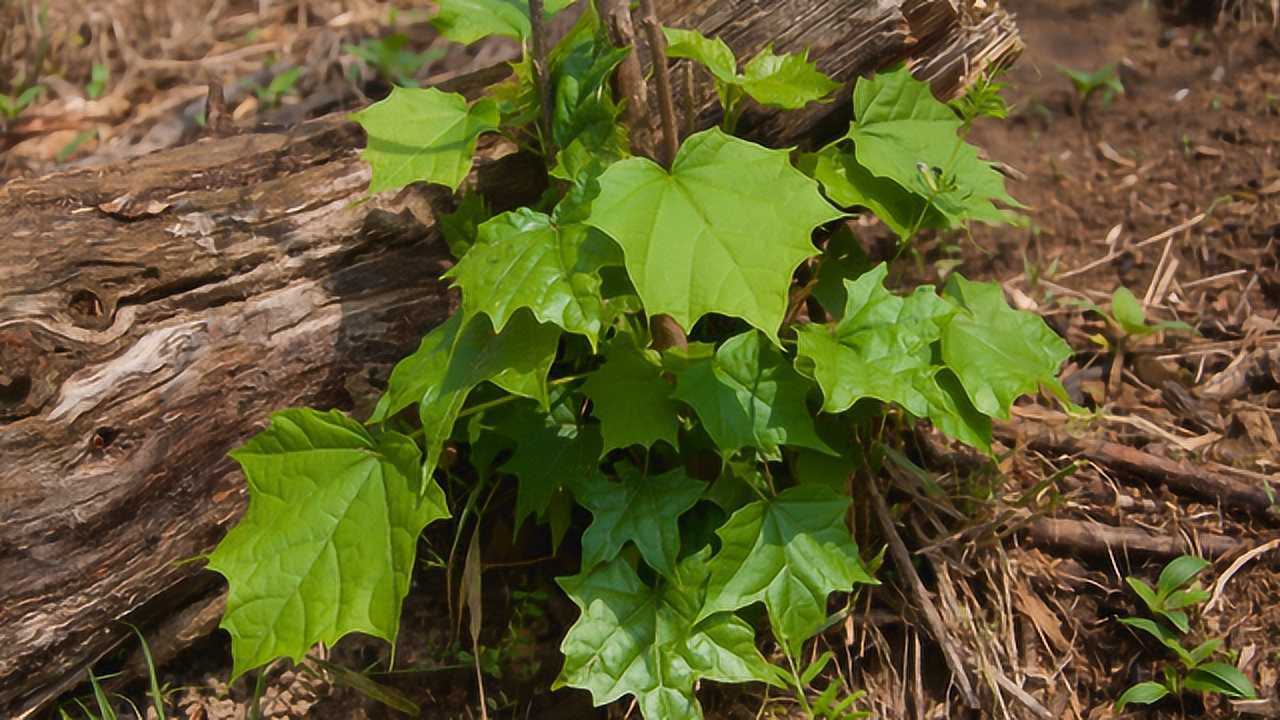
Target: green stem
509,398
795,675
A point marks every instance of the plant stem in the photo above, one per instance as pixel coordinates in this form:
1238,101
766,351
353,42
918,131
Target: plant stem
795,675
662,75
509,398
537,43
629,79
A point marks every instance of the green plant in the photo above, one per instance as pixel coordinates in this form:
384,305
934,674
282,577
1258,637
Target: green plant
1104,81
105,708
549,382
391,58
1128,319
98,79
281,85
1175,591
983,99
11,106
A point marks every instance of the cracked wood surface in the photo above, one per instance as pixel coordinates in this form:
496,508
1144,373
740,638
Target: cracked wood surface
152,315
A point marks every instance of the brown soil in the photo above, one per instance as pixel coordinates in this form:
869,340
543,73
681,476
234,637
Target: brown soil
1192,147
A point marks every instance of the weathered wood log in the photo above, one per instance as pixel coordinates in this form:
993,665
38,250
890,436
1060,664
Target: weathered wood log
153,314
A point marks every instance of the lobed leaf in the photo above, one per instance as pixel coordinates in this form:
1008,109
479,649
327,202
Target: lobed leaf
456,357
999,353
522,259
747,395
650,643
466,21
631,398
702,239
553,452
423,135
903,133
639,509
789,553
328,542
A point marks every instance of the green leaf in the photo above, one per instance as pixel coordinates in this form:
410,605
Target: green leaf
702,238
1219,677
748,395
882,348
713,53
1205,650
640,641
953,414
789,553
1179,599
456,357
1179,572
999,353
1144,693
466,21
327,544
461,228
630,397
1161,633
639,509
842,259
903,133
524,260
584,116
848,184
553,451
1144,591
787,81
423,135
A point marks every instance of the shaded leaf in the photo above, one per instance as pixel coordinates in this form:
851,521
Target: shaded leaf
1144,693
630,397
789,553
1219,677
640,641
638,509
456,357
553,451
747,395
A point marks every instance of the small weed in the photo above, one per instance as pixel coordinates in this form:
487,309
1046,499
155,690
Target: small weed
11,106
1104,82
280,86
391,59
1175,592
98,79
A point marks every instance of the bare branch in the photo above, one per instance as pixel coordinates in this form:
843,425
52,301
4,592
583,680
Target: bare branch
666,105
538,49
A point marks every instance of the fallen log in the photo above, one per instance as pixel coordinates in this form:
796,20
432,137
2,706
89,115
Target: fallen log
152,315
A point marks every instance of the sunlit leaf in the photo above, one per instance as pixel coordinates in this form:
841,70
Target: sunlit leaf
698,239
423,135
327,544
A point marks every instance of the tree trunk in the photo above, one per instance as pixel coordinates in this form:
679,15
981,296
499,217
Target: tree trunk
153,314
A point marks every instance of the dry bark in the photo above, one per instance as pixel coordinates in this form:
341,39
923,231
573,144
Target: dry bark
153,314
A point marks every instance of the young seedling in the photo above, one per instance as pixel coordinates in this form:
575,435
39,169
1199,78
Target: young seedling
1103,82
11,106
391,59
280,86
1175,591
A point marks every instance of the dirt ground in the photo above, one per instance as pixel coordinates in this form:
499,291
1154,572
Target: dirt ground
1171,190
